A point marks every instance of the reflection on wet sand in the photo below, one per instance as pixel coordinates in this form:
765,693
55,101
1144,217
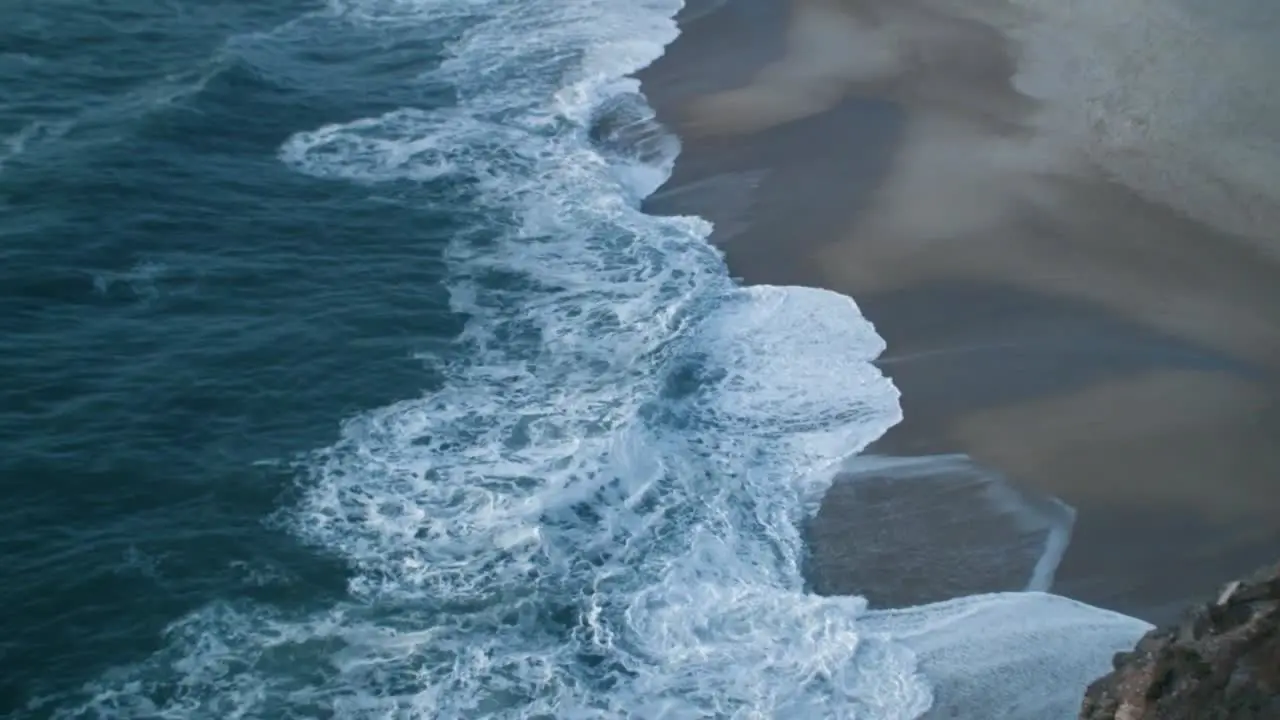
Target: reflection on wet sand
981,186
1101,198
1175,435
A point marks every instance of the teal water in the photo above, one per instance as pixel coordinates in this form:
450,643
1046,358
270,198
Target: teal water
180,316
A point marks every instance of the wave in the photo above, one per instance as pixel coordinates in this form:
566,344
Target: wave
598,513
47,140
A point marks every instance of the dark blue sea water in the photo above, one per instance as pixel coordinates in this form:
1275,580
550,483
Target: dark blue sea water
181,314
341,376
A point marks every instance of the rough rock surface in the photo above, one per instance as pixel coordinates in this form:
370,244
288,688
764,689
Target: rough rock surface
1222,662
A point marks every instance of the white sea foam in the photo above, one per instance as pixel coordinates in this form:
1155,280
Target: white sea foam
374,149
597,515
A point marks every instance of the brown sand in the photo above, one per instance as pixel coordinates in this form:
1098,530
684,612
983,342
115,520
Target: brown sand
1076,292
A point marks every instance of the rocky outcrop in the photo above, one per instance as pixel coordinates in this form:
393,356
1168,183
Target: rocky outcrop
1222,662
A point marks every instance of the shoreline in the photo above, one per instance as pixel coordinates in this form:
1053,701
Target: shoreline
1044,355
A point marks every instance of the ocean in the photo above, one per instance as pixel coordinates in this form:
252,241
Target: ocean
342,376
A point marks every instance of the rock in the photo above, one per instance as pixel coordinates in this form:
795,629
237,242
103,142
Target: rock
1222,662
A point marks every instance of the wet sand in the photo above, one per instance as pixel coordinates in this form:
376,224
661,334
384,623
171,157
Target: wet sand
1075,295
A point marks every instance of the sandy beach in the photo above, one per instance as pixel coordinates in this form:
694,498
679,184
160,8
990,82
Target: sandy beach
1068,240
